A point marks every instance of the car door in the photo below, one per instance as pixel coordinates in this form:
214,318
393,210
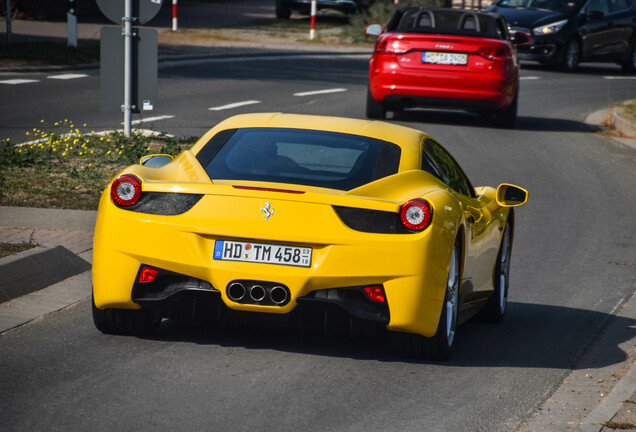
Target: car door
607,29
481,235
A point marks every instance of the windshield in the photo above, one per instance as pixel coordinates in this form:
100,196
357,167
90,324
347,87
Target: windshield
562,6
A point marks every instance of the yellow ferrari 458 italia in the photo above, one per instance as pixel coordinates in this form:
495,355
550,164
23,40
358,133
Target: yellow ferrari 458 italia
318,221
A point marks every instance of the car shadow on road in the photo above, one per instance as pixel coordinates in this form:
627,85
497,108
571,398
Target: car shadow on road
532,335
461,118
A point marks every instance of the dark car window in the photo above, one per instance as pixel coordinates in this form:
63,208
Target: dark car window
437,161
300,156
563,6
619,5
451,22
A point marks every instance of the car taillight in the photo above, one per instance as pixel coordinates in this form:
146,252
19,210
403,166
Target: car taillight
495,53
147,274
416,214
392,46
375,293
126,190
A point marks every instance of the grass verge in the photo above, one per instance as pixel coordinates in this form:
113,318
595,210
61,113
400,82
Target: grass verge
7,249
69,168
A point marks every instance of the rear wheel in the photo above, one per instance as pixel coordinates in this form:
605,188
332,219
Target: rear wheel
375,110
282,11
508,118
571,56
629,65
495,308
140,322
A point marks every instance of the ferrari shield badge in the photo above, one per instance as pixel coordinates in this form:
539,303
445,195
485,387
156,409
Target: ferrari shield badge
267,211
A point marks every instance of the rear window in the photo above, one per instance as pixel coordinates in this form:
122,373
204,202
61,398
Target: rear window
445,21
299,156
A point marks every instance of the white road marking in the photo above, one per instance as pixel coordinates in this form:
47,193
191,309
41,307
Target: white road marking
18,81
317,92
151,119
234,105
529,78
67,76
619,77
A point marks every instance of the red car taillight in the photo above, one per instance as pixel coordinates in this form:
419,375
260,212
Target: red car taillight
392,46
495,52
126,190
416,214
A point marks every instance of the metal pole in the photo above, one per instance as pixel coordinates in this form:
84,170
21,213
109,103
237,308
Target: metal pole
312,27
8,22
174,15
128,39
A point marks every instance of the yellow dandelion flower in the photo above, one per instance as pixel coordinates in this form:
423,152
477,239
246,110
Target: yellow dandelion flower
90,165
57,123
109,152
41,121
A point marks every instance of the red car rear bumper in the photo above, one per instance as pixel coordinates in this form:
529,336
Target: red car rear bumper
399,87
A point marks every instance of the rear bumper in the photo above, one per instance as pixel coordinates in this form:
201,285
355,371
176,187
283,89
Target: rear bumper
412,268
398,87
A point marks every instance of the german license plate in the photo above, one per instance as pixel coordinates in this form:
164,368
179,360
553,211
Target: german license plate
444,58
262,253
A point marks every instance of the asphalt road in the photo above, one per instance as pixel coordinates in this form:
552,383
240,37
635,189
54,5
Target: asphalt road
573,265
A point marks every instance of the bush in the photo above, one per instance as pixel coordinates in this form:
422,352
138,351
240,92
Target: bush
380,11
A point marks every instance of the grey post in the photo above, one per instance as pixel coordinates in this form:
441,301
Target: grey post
128,46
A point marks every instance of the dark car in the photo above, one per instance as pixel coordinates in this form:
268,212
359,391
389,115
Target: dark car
567,32
284,8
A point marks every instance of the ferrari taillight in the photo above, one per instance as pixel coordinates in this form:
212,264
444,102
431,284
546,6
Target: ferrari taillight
375,293
126,190
416,214
494,52
147,274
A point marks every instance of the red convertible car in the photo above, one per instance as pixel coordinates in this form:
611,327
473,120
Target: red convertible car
445,58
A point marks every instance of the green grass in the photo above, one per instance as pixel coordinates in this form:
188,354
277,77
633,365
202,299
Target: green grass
7,249
70,168
50,53
629,108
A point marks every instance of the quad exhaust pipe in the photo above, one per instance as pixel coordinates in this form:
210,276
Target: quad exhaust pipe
259,293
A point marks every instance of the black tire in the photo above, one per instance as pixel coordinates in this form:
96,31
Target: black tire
508,118
571,55
375,110
130,322
282,11
440,346
629,65
495,308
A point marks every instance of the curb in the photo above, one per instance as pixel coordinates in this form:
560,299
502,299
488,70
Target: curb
609,119
37,268
192,57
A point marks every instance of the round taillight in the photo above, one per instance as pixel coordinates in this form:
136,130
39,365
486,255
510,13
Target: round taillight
126,190
416,214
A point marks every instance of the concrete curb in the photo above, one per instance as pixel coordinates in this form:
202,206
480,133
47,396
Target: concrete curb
37,268
607,119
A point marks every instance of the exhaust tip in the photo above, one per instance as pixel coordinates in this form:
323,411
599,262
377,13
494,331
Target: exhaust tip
236,291
279,295
257,293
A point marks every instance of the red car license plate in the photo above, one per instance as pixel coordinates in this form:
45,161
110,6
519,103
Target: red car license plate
444,58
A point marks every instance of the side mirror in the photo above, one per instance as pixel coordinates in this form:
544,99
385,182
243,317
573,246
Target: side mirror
156,161
511,196
373,30
519,38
